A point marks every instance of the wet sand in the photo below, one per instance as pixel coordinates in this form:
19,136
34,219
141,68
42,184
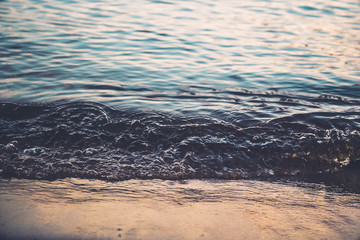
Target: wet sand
156,209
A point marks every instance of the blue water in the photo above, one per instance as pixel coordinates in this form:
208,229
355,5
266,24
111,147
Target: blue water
222,89
177,55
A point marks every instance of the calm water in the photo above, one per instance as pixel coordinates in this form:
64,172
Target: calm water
179,55
180,89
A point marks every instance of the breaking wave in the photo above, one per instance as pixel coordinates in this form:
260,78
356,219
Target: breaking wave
95,141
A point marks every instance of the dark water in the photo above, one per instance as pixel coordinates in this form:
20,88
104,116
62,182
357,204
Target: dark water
181,89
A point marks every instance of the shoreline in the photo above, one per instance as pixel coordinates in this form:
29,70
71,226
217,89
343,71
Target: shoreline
162,209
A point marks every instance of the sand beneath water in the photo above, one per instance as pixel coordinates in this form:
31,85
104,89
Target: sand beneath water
156,209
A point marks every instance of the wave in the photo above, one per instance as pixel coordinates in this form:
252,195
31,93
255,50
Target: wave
95,141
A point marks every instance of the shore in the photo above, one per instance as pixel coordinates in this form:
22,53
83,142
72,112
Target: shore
156,209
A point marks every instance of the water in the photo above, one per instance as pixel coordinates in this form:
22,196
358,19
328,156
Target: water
183,55
181,89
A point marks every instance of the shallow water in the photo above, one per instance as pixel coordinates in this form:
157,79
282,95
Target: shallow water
177,90
157,209
183,55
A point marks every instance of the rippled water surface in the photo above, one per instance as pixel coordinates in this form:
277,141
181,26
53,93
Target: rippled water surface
180,89
177,54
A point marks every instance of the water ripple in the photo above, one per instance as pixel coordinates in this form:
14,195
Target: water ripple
218,44
255,86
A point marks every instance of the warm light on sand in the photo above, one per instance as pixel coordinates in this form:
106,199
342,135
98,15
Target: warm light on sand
173,210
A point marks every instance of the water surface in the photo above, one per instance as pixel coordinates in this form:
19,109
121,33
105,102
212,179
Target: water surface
180,89
177,55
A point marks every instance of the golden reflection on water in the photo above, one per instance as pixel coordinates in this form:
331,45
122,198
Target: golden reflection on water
157,209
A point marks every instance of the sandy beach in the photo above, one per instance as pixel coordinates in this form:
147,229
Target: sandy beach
156,209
